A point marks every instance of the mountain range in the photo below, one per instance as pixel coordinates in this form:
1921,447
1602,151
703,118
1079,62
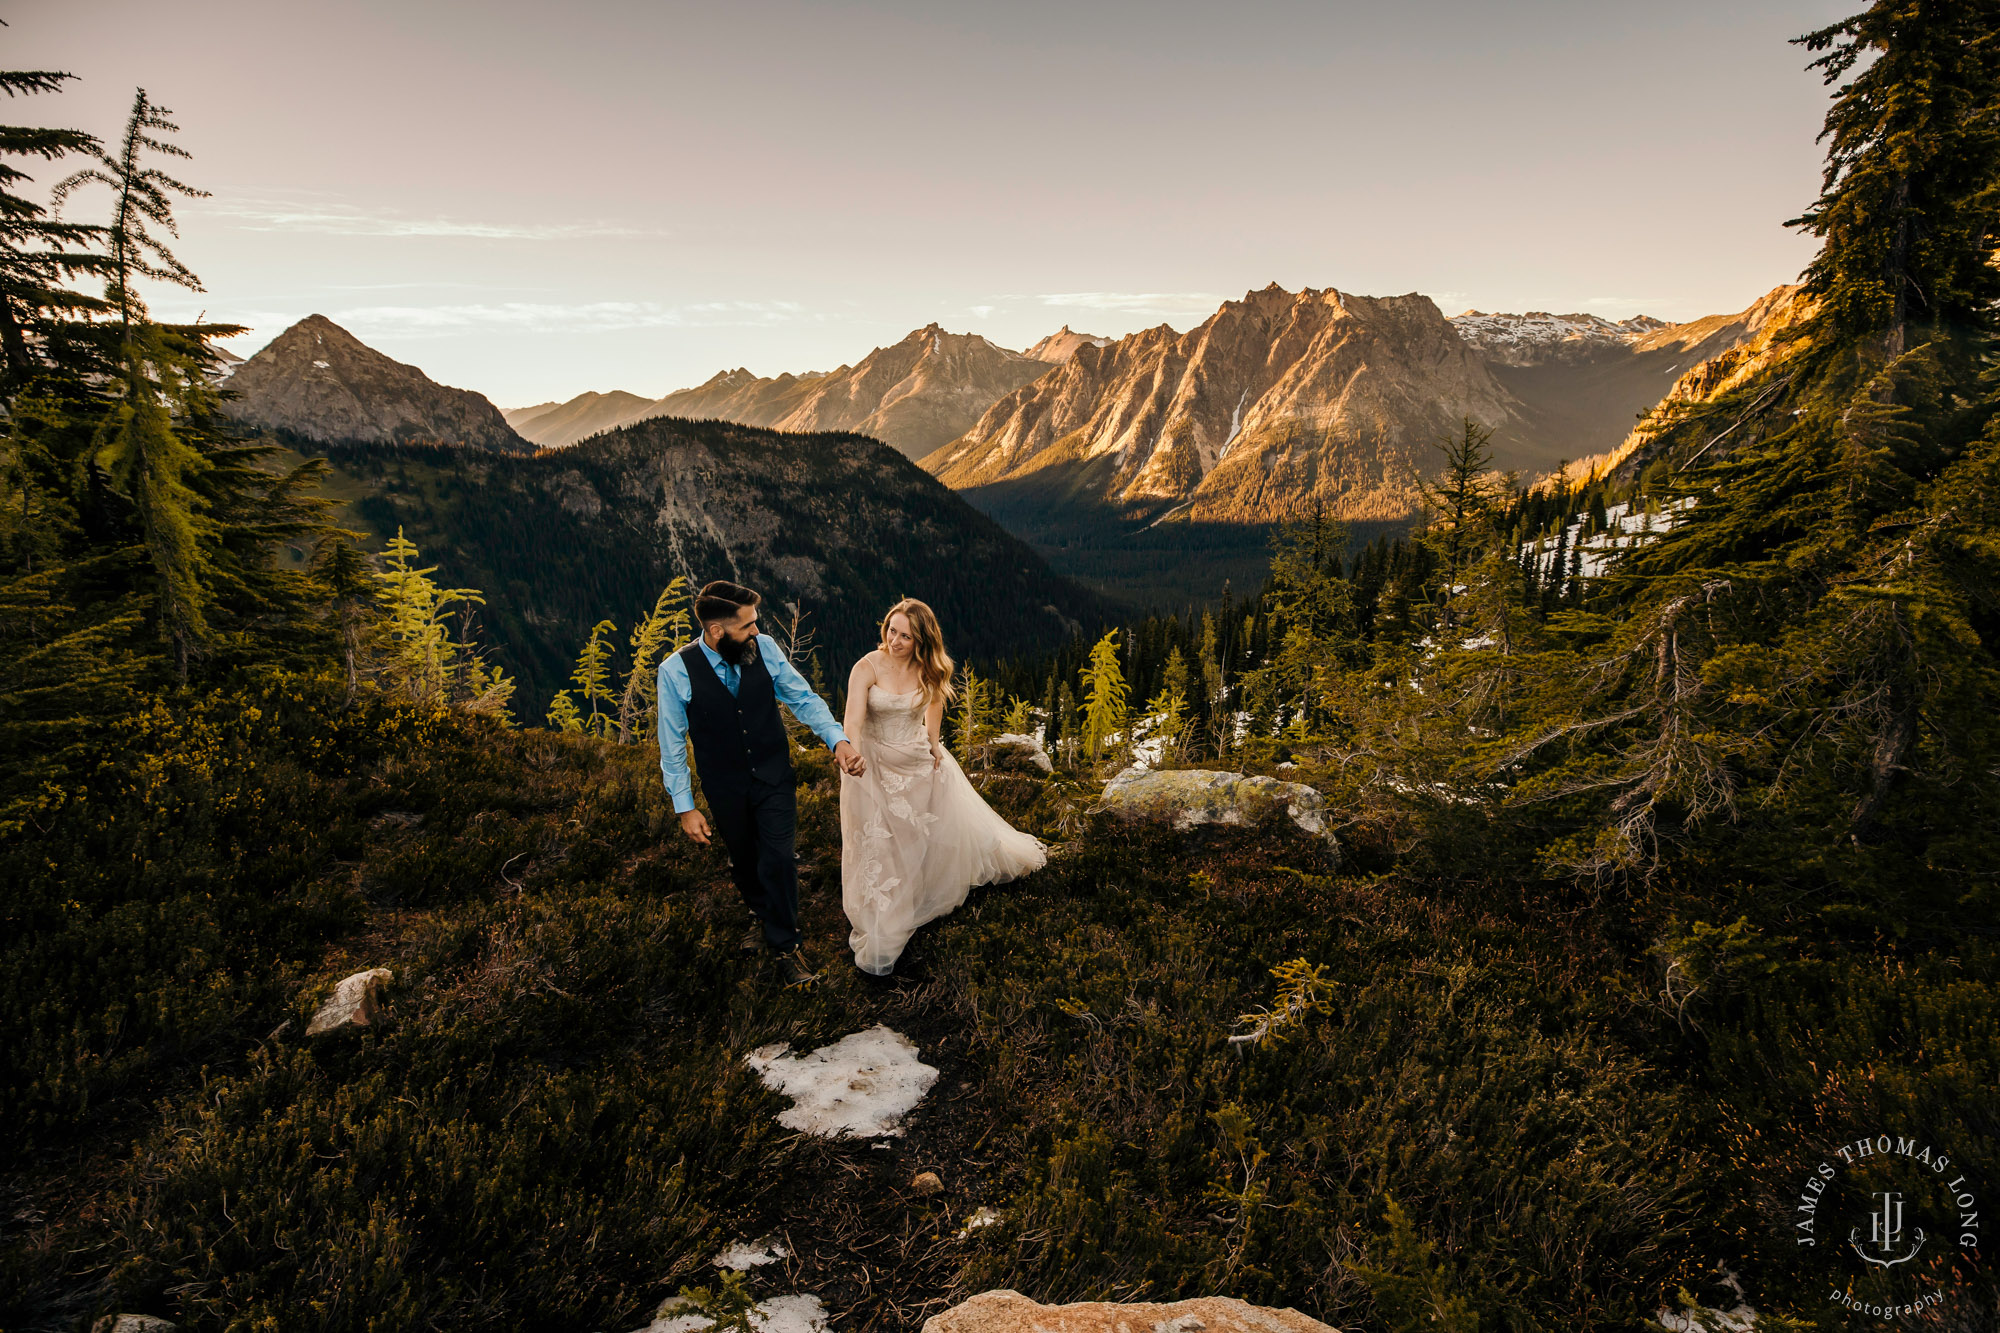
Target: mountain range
1087,448
913,395
1283,401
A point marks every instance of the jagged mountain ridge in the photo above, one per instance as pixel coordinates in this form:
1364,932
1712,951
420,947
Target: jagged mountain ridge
1538,336
319,382
1280,401
836,522
1061,345
913,395
1272,404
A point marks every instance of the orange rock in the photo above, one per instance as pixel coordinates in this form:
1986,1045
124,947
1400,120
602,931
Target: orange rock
1011,1312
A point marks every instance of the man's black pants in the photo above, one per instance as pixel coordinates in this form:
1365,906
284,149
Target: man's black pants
759,824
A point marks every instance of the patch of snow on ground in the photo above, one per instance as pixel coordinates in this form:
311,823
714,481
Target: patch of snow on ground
745,1254
780,1314
1148,749
1624,528
1235,426
1707,1319
984,1217
859,1087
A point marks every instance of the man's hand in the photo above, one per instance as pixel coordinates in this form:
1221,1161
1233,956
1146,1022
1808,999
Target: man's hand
849,759
695,825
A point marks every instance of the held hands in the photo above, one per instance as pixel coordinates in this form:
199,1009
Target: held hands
849,759
695,825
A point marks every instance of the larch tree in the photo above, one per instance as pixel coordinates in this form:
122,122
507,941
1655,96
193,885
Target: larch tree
665,630
1105,694
592,678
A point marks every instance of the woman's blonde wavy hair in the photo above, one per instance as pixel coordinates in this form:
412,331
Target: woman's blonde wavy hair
933,663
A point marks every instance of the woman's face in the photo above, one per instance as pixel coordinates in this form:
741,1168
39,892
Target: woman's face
897,641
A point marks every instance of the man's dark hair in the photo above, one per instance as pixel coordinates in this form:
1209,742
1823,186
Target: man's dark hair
721,600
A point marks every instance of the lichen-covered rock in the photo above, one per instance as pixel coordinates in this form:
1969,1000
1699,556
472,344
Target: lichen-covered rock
1011,1312
1185,797
1015,753
355,1003
133,1323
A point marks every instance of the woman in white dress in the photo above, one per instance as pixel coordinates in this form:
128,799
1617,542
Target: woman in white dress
915,835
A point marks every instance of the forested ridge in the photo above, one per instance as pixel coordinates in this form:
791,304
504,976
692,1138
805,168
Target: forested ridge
1657,875
835,527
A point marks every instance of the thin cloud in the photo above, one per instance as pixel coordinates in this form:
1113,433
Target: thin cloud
331,219
1128,302
591,317
1629,301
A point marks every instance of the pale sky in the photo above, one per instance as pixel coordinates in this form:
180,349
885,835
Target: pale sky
532,200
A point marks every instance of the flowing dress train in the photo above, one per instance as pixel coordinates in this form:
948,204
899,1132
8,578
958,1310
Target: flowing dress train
913,839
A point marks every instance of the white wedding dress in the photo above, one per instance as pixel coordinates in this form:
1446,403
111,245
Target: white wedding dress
913,839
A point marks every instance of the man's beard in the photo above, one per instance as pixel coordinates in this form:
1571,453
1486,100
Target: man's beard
737,651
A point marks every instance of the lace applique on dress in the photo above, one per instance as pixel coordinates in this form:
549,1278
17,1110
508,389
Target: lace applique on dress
875,889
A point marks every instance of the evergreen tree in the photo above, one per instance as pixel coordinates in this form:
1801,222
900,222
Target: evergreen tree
143,444
1460,503
347,584
1313,614
1064,726
39,254
1907,214
1797,651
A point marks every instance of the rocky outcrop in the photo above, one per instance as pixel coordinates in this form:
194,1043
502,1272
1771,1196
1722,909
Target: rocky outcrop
133,1323
1274,404
913,395
1011,1312
356,1002
1013,753
1186,797
552,425
321,382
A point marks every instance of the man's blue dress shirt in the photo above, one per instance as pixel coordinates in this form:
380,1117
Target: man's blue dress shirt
675,691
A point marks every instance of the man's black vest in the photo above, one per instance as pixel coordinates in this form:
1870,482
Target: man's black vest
735,736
